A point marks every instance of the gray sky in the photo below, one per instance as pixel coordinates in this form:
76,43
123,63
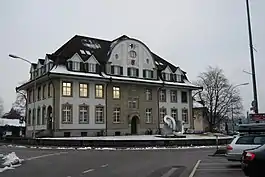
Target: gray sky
191,33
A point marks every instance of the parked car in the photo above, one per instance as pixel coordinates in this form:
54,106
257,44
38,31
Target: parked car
253,162
243,142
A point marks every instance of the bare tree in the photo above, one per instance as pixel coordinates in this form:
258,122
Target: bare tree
20,103
1,107
219,97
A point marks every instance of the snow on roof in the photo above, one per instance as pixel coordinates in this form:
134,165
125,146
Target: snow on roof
11,122
197,105
62,70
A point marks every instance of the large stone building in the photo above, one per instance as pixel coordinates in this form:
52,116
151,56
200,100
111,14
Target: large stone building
92,86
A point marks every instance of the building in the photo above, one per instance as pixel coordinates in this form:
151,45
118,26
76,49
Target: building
94,87
12,127
200,117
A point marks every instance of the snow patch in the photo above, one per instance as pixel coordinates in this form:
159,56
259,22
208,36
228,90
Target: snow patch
11,159
11,122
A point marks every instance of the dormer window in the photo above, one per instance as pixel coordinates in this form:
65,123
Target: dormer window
133,72
166,76
76,66
178,78
149,74
91,67
117,70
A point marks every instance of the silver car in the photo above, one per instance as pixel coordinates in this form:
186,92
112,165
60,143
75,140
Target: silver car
240,143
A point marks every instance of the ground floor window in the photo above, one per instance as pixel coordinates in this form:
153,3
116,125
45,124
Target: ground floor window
174,113
185,115
148,115
67,113
99,115
163,113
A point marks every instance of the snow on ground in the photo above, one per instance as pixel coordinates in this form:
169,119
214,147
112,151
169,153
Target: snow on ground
138,137
10,161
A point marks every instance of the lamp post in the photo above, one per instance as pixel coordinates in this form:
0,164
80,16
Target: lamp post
253,73
238,85
34,91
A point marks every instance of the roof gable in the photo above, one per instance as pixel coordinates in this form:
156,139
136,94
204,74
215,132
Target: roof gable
75,58
92,60
178,71
33,67
167,70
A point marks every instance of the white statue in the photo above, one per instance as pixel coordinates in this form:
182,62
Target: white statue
169,125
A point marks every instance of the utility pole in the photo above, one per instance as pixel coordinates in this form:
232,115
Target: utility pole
256,110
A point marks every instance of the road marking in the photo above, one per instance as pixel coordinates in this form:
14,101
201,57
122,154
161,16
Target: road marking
104,165
170,172
88,170
218,169
194,168
46,155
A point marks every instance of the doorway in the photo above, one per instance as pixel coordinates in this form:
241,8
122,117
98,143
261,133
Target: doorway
134,125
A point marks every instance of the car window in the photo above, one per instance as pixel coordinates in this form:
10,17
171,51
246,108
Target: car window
259,140
245,140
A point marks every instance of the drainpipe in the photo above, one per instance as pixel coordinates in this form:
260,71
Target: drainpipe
106,101
158,97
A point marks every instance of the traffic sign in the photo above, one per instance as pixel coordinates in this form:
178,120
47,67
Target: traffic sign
256,117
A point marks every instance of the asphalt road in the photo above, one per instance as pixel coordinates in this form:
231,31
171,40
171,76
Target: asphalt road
84,163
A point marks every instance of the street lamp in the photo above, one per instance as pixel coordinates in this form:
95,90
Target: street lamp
34,90
238,85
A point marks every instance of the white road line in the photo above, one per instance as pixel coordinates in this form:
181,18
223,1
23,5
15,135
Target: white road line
170,172
88,170
194,168
104,165
219,169
46,155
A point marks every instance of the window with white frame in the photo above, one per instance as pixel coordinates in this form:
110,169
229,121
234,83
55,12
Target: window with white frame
76,66
117,115
133,72
67,113
163,95
67,89
116,92
132,103
99,115
163,113
148,94
99,91
166,76
173,96
178,78
92,67
83,114
148,115
185,115
83,90
149,74
117,70
174,113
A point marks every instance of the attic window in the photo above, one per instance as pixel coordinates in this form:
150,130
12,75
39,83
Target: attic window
178,78
166,76
147,61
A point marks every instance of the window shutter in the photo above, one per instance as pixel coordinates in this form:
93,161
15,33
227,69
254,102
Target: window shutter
152,74
70,65
129,71
97,68
121,70
82,66
86,67
171,77
144,73
112,69
163,76
174,77
137,72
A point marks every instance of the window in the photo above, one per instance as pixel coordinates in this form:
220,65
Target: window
184,97
99,114
43,115
39,93
149,74
166,76
148,115
178,78
50,91
133,72
185,116
173,96
44,92
259,140
116,115
91,67
83,114
163,113
67,113
147,61
116,92
76,66
132,54
162,96
116,70
29,118
99,91
34,117
174,113
38,116
148,94
83,90
132,103
67,89
67,134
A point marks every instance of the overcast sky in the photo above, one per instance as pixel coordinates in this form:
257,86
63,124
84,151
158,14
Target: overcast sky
191,33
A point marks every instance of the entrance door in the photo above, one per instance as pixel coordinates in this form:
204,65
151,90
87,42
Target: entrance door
134,125
49,118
